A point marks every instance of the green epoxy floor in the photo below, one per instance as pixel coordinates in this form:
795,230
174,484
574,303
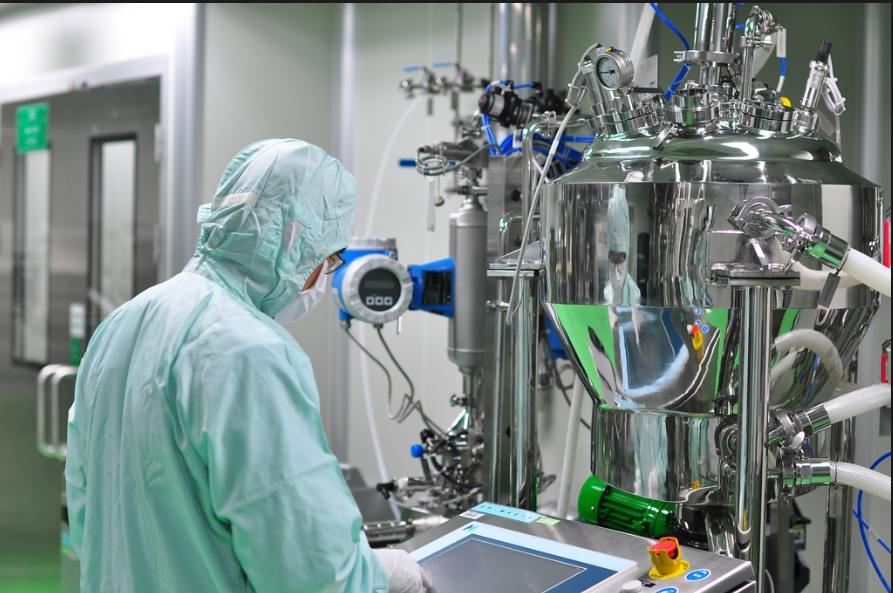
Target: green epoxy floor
29,573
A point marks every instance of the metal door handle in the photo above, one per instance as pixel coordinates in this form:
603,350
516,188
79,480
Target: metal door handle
56,373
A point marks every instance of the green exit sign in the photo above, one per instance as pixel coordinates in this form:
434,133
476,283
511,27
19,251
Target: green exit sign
31,131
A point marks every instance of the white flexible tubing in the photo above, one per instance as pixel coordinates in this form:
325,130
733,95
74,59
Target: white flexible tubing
815,279
782,366
813,340
570,448
385,156
373,429
867,270
861,478
858,402
364,368
525,236
810,279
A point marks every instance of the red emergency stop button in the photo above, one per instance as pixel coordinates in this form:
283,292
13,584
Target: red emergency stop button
666,556
671,547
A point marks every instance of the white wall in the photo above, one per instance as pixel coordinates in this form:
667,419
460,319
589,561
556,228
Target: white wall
268,74
35,39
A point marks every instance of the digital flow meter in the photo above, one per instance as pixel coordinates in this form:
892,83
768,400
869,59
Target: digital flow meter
374,287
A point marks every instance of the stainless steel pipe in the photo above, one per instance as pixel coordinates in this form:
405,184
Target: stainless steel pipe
753,416
836,568
524,421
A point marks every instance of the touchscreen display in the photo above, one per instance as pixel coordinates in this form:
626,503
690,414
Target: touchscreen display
476,565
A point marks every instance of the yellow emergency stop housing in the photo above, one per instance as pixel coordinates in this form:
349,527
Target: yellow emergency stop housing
666,556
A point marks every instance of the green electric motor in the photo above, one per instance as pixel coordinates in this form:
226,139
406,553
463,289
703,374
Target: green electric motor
600,504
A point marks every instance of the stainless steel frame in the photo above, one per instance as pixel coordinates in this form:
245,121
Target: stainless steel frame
753,416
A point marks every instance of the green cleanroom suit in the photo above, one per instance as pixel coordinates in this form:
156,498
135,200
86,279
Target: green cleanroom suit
196,455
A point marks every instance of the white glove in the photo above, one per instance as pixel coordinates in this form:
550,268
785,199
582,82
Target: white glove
404,573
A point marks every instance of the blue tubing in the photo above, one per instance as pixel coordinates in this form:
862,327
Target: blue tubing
507,143
862,528
670,25
685,67
491,137
783,66
542,151
679,78
562,149
880,540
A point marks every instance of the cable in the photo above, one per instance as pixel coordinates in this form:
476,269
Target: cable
834,100
770,581
402,413
562,147
558,158
685,67
534,202
409,404
376,361
815,367
862,528
462,496
809,448
411,395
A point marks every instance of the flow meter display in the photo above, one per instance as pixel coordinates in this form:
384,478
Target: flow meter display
379,289
374,288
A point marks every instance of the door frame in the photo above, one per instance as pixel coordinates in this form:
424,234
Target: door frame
179,139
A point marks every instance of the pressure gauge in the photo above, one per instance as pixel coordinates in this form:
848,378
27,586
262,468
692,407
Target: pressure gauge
614,70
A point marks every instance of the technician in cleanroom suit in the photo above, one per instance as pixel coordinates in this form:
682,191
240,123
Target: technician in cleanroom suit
196,454
620,289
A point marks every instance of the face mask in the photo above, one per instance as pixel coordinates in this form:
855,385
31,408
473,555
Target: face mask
303,303
617,276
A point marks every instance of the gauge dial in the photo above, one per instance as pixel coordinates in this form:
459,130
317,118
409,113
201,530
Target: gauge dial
614,70
608,72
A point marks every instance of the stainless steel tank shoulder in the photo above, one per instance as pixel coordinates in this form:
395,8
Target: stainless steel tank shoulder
630,239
